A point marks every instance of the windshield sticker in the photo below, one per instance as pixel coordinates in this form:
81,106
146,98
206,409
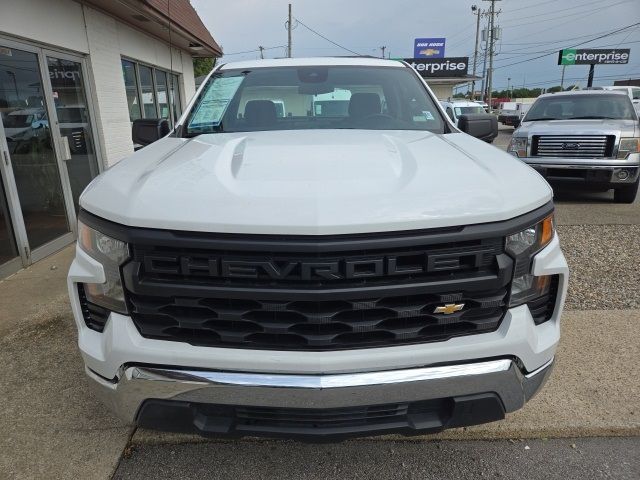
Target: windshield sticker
428,115
215,102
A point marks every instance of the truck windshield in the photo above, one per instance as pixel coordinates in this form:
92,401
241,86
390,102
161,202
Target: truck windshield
316,97
587,106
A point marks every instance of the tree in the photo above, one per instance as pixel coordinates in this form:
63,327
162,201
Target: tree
555,89
202,66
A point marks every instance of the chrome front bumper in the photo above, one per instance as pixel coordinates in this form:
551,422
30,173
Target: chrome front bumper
137,384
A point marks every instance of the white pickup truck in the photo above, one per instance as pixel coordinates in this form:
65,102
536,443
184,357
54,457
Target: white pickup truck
351,271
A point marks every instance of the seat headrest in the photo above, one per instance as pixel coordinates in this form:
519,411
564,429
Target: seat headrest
260,112
364,104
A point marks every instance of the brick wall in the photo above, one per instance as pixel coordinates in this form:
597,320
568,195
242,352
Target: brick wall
108,86
110,40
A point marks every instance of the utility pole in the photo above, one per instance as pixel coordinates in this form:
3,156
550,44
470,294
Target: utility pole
492,14
261,48
289,27
477,12
509,87
485,34
383,49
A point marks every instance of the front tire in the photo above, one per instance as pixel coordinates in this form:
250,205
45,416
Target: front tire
626,194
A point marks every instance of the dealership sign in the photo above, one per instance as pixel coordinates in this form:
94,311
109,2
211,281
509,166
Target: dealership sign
440,67
428,47
593,56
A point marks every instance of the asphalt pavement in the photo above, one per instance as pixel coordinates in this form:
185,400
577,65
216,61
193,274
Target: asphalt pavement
582,458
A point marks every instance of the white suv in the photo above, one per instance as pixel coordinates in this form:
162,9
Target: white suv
369,269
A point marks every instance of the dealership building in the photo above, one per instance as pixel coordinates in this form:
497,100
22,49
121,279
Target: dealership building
74,74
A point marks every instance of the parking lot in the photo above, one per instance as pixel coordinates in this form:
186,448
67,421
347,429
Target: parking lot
585,423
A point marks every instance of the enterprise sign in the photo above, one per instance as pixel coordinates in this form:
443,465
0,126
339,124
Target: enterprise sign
440,67
593,56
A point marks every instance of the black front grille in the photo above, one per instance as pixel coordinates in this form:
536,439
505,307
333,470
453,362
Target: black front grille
309,325
310,293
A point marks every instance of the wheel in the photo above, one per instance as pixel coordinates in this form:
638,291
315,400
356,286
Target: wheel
626,194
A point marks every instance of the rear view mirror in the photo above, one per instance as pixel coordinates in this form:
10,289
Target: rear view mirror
148,130
480,125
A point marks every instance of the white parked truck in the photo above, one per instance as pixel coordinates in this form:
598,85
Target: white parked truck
363,270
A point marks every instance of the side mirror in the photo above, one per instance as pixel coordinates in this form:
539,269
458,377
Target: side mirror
480,125
148,130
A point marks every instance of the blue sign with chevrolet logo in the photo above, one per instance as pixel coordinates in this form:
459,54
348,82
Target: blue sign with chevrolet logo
428,47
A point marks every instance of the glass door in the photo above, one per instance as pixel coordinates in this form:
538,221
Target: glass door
31,168
9,254
74,122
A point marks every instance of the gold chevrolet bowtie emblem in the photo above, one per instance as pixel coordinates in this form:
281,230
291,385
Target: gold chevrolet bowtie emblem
449,308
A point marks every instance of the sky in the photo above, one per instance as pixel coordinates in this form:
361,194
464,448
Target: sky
530,28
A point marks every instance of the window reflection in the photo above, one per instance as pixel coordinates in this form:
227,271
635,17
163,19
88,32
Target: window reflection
131,87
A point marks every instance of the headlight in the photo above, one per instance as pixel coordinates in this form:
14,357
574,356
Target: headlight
523,246
111,253
628,146
518,146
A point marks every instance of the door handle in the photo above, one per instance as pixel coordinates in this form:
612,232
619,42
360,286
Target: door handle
66,151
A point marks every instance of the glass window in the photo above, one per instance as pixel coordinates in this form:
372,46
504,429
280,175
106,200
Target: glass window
151,92
147,92
581,106
161,92
467,110
315,97
131,87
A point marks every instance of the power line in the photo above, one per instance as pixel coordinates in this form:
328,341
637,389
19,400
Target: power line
555,12
571,46
327,39
579,14
532,6
254,50
558,42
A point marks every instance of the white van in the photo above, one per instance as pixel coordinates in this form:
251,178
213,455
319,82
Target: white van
633,92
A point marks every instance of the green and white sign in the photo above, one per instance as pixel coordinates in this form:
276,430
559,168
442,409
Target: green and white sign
593,56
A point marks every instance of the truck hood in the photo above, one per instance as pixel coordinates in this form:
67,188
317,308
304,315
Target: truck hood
315,182
624,128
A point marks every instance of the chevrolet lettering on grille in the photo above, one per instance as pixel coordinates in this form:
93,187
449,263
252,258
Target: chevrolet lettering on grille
346,268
